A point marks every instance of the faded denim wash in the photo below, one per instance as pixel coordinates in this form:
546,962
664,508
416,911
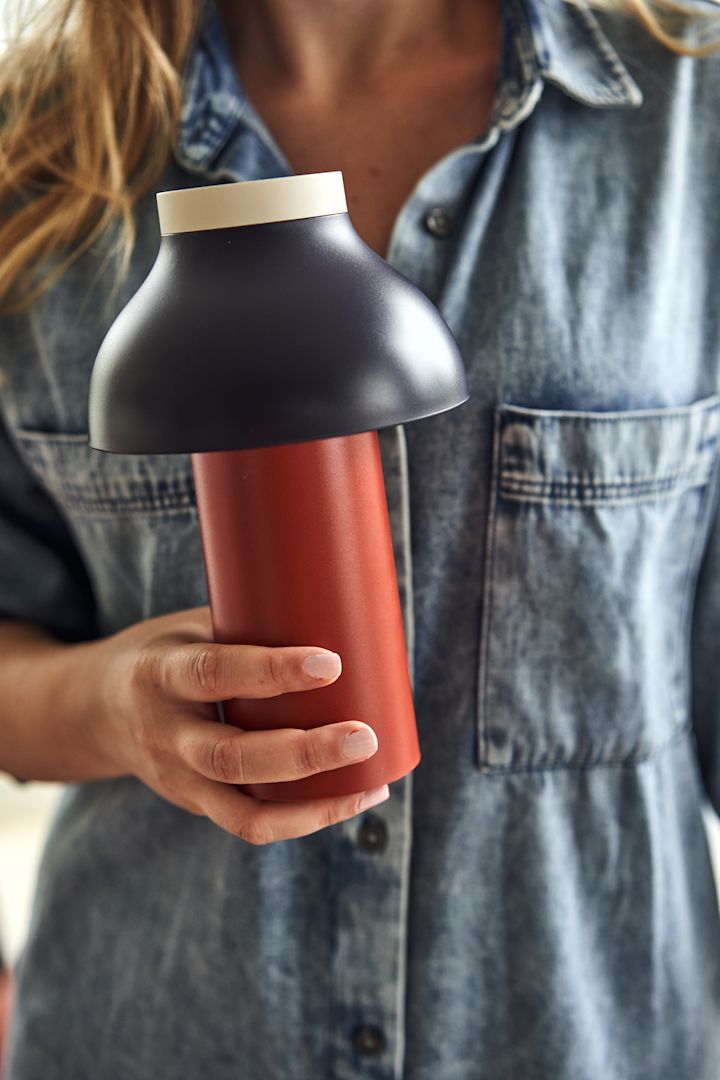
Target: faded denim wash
544,906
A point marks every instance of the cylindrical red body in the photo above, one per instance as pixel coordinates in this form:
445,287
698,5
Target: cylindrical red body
298,551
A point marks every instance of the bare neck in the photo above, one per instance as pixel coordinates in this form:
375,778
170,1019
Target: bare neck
323,49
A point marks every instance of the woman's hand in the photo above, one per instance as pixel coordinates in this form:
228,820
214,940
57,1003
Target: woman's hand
157,678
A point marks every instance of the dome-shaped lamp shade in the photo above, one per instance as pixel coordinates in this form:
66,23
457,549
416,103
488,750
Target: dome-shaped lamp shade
267,320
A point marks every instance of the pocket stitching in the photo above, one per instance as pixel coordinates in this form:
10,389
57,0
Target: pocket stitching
590,480
694,559
629,416
133,492
487,602
606,501
588,488
97,504
681,726
629,761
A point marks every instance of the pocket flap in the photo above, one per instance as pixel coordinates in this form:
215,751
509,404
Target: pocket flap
89,481
583,458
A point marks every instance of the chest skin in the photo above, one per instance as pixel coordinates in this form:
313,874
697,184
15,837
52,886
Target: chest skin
388,131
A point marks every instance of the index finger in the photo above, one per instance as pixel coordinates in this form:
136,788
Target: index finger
209,671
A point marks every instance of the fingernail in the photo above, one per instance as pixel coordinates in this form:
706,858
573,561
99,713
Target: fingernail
323,665
372,798
361,743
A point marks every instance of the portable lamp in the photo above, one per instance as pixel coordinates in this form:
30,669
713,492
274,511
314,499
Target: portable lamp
271,343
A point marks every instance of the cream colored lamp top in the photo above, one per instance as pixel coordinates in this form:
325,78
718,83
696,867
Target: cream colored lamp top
251,202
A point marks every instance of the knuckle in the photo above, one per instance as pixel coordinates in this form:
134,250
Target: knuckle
226,760
145,730
146,671
163,772
272,674
204,668
309,755
256,831
332,814
142,730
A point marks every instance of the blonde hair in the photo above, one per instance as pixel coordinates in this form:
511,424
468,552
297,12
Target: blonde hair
667,21
90,100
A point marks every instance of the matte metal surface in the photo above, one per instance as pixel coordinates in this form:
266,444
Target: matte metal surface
298,551
268,334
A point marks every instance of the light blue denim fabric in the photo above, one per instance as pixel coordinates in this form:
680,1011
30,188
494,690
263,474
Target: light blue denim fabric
544,907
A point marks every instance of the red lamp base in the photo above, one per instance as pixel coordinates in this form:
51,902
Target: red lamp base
298,551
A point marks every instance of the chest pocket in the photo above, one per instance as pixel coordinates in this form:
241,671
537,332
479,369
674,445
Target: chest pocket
134,520
595,531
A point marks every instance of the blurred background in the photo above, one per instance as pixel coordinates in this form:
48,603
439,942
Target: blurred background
25,812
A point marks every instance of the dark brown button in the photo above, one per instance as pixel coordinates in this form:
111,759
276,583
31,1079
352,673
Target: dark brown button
372,834
369,1040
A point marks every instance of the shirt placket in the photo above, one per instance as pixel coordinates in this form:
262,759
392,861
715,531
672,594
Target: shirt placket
370,871
372,852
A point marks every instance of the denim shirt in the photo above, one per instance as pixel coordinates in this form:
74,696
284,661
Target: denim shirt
535,901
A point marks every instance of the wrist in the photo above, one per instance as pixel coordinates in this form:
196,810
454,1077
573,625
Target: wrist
88,718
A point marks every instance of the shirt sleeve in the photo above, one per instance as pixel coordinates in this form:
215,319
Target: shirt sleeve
42,575
706,664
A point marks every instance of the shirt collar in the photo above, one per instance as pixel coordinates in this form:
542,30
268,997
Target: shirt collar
216,112
564,43
544,41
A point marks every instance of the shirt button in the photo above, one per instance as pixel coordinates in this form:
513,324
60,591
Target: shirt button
372,834
437,221
368,1040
